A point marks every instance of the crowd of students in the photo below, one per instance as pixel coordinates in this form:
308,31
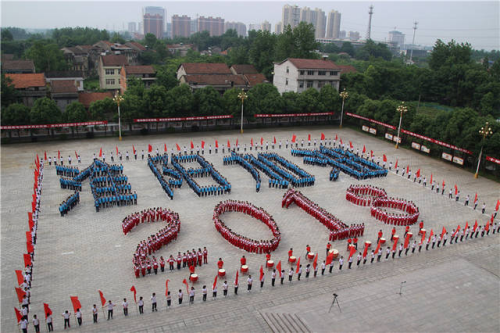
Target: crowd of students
242,242
70,184
363,195
299,178
66,171
166,186
239,159
275,180
411,210
69,203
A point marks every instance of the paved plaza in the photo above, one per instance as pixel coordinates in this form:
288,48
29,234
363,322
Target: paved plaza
455,288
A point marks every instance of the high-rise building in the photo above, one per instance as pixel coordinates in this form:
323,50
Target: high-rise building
397,38
353,35
333,28
132,27
265,26
194,26
254,26
278,27
342,34
214,25
315,17
154,21
181,26
241,28
290,16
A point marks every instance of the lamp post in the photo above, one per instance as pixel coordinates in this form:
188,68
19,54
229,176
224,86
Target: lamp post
484,131
242,95
344,95
401,109
118,99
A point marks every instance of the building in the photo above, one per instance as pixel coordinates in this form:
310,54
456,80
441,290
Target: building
78,59
315,17
87,98
353,35
241,28
214,25
333,28
29,86
194,26
180,49
254,26
298,75
153,19
144,73
249,74
278,28
342,34
130,51
74,76
132,27
181,26
136,46
18,66
397,37
109,71
290,16
63,92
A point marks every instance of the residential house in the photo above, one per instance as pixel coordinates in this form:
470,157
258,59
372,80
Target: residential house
77,59
298,75
18,66
87,98
75,76
109,71
202,69
63,92
344,69
180,49
249,73
131,53
30,86
144,73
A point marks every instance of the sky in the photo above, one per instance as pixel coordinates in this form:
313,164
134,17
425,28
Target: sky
464,21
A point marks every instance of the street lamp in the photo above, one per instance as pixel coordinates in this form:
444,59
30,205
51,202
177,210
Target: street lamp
118,99
401,109
242,95
344,95
484,131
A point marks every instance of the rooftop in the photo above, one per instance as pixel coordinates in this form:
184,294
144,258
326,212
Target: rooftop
312,63
201,68
114,60
245,69
344,69
88,98
23,81
140,69
215,80
63,86
16,65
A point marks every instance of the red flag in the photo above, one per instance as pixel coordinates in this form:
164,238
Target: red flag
192,145
315,262
28,236
396,165
76,303
203,144
431,179
187,285
165,147
228,144
278,268
20,277
30,220
371,153
329,258
466,226
103,300
378,247
46,310
261,141
132,289
309,137
216,144
443,232
430,235
475,227
365,251
341,141
456,189
215,282
45,155
166,287
443,183
336,137
150,148
100,152
133,149
27,260
294,137
29,247
236,279
385,158
395,245
19,315
487,226
20,294
475,198
423,237
364,149
274,140
456,232
350,144
178,147
58,154
261,272
407,169
116,150
76,154
322,136
298,265
251,142
352,251
236,142
498,204
407,240
418,173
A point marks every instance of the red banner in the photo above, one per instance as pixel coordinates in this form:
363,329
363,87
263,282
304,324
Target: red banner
266,115
88,123
153,120
370,120
492,159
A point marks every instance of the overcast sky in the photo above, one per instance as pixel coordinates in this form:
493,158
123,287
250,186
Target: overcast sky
465,21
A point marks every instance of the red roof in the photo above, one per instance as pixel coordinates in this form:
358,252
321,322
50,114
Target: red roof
114,60
63,86
136,45
312,63
245,69
201,68
23,81
344,69
215,80
87,98
139,70
254,79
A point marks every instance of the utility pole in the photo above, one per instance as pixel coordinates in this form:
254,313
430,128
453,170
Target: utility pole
413,41
368,33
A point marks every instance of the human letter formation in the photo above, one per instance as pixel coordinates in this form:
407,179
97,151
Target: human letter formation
338,229
245,243
175,180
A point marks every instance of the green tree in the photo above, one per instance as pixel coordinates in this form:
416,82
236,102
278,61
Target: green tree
9,93
166,78
347,48
329,98
261,52
45,111
131,108
231,104
7,35
208,101
150,40
47,57
181,101
305,42
16,114
309,101
450,54
291,102
103,109
155,99
76,113
263,98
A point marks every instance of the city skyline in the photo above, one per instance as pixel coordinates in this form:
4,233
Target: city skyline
441,20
